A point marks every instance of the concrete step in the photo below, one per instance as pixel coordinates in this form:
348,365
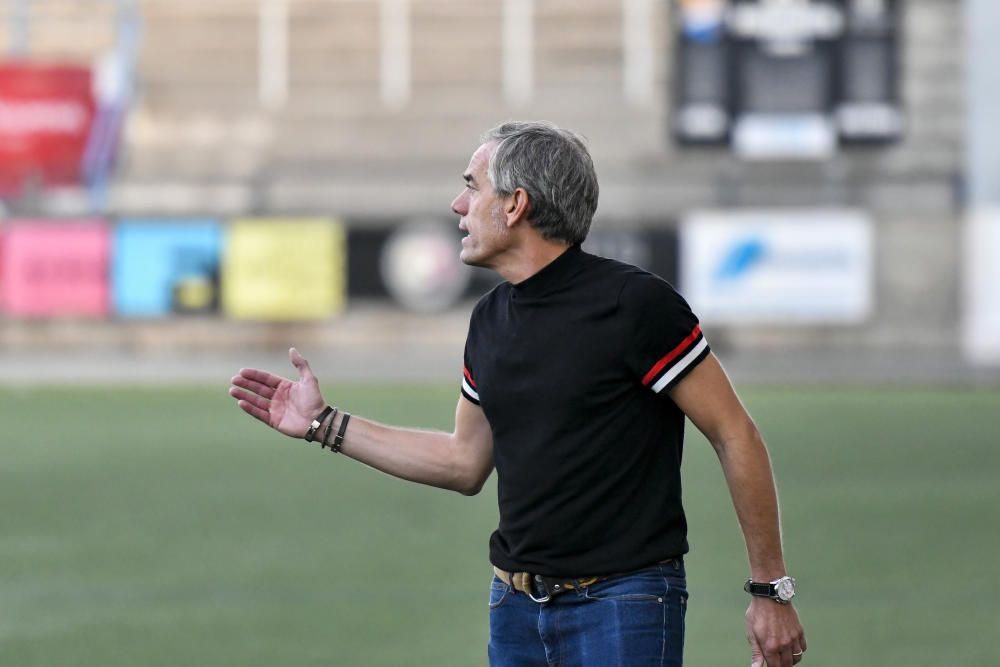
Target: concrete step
80,42
197,10
221,98
192,67
616,133
376,138
429,100
199,164
165,35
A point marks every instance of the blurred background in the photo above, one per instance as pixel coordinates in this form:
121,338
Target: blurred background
178,176
192,186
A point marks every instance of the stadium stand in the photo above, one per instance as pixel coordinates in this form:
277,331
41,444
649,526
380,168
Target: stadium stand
199,140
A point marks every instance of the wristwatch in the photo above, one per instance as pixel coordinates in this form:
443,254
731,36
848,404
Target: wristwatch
780,590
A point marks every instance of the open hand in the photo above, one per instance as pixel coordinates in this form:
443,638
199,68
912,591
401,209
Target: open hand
289,407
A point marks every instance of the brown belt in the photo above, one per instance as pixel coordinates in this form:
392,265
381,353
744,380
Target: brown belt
550,586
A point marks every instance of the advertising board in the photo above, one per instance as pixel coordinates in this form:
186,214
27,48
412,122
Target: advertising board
806,266
161,267
284,269
46,112
54,268
981,322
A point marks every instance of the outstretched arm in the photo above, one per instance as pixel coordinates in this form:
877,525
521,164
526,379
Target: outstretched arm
460,461
708,399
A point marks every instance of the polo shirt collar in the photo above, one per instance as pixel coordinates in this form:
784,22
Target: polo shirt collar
551,276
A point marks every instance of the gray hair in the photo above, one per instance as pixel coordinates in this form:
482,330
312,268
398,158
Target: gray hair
554,167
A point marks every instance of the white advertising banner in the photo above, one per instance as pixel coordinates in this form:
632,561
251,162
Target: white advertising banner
981,335
798,266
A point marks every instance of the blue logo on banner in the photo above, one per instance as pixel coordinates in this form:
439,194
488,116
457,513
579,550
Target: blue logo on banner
741,258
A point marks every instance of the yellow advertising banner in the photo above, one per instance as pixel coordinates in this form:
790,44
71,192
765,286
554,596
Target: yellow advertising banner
284,269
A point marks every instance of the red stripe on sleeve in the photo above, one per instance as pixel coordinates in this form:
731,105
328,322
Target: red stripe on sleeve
468,376
673,354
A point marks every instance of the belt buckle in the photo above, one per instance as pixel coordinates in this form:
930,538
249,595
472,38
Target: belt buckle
540,580
554,587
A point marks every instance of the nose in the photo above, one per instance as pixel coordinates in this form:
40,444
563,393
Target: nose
459,205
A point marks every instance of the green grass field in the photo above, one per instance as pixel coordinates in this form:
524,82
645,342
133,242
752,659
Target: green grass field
163,527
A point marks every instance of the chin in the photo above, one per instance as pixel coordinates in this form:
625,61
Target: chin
468,256
479,256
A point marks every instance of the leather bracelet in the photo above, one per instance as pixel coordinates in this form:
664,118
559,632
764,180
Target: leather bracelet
329,427
316,423
338,442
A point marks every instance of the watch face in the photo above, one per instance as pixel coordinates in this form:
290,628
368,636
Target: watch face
784,588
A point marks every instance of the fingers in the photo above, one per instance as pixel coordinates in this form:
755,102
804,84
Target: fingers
756,655
798,649
773,658
247,397
775,653
783,655
253,405
255,412
263,377
779,658
300,363
256,387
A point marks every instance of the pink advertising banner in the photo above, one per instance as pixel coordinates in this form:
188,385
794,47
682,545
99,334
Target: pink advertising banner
54,268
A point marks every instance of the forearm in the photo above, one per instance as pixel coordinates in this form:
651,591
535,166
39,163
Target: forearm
748,473
427,457
707,398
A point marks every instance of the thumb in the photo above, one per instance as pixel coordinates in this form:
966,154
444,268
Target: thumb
300,363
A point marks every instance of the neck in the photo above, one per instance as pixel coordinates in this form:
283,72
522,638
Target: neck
527,259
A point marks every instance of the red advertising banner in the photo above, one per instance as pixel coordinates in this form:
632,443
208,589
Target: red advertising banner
55,268
46,112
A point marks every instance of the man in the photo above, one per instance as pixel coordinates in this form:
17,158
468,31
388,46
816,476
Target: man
579,372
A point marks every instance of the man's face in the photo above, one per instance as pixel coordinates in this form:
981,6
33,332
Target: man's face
480,211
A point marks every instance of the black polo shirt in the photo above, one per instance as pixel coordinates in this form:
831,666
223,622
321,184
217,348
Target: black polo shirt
571,368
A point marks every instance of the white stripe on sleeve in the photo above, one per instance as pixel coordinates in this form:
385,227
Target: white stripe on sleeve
679,367
467,388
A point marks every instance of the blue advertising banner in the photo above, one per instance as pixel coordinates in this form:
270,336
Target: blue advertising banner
161,266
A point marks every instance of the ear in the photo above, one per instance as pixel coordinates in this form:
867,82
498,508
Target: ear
517,208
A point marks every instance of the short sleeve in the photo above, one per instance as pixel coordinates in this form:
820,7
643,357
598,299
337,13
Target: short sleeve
665,338
469,384
469,389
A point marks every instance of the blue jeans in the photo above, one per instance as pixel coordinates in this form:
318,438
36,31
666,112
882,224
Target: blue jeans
632,620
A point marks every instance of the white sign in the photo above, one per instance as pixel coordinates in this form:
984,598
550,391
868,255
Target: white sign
777,266
790,20
981,337
773,136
